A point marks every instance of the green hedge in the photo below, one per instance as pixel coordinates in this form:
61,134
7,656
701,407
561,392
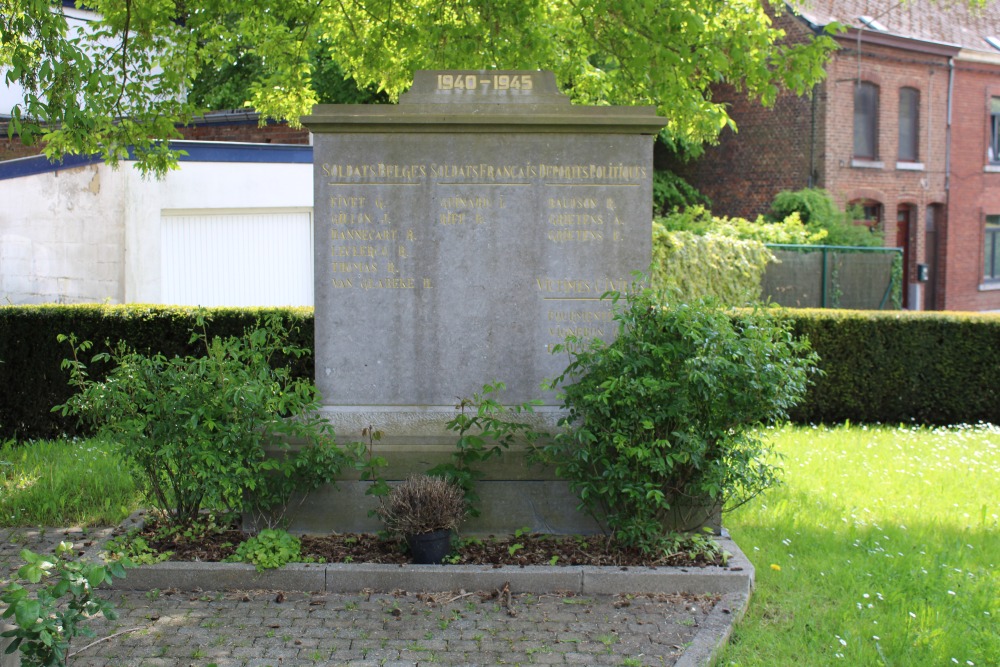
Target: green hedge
890,367
901,367
32,382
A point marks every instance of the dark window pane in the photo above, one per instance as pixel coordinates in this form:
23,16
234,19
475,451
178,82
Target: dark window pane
994,150
909,124
991,251
865,120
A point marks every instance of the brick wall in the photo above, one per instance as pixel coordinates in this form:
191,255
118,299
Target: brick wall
773,149
810,141
974,192
11,149
246,131
896,186
768,153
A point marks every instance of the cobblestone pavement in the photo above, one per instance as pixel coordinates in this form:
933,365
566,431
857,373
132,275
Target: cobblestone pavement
171,628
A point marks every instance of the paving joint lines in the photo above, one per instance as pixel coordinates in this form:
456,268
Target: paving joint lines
178,614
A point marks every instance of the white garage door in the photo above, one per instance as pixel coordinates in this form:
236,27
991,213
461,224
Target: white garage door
237,258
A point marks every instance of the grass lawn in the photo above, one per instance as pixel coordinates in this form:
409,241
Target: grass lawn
64,483
881,548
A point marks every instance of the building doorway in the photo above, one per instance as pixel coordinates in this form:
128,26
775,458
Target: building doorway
904,225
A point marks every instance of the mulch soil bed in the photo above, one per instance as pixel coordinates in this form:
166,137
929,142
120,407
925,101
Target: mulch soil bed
526,549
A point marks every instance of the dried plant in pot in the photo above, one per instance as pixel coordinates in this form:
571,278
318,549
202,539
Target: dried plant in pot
424,510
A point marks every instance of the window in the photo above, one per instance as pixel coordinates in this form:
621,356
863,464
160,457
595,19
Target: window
991,253
866,212
866,121
909,125
994,151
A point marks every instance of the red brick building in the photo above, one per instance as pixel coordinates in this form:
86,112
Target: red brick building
906,125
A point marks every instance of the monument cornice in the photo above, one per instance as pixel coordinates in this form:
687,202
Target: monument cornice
428,118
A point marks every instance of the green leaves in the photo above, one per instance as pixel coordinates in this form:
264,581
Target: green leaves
485,429
49,616
269,549
197,426
671,414
124,81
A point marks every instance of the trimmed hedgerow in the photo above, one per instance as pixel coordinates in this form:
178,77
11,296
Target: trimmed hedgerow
32,380
890,367
894,367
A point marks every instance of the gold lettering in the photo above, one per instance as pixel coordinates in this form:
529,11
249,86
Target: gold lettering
574,235
452,218
359,251
347,202
355,267
351,219
363,235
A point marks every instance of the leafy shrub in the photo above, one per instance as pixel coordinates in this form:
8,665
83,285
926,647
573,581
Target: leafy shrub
671,192
49,616
699,220
423,504
268,550
688,267
672,411
196,426
819,213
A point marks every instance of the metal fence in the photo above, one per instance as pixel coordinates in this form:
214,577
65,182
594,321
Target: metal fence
818,276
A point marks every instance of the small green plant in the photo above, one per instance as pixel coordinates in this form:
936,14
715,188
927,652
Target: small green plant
696,545
196,427
485,429
369,465
514,548
673,411
49,616
134,548
269,549
554,560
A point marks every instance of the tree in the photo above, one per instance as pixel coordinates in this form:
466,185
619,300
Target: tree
125,82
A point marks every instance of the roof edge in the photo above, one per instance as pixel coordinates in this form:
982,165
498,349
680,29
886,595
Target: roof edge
194,151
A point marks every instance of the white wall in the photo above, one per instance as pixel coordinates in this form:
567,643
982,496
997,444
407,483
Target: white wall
62,237
93,234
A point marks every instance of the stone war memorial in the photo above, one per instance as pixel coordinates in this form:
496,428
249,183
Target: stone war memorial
459,236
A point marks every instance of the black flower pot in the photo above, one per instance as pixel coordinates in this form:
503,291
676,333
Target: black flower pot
429,548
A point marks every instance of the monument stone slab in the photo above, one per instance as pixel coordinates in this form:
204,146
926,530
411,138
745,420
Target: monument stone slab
460,235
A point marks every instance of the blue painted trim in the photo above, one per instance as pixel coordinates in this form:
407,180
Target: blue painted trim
39,164
225,151
197,151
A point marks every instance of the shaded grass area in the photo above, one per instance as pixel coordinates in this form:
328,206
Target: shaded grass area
881,549
64,483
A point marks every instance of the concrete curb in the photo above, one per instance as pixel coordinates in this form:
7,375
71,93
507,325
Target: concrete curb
715,631
736,577
734,583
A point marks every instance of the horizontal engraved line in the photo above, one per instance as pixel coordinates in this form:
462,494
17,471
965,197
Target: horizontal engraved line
351,183
477,183
591,185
